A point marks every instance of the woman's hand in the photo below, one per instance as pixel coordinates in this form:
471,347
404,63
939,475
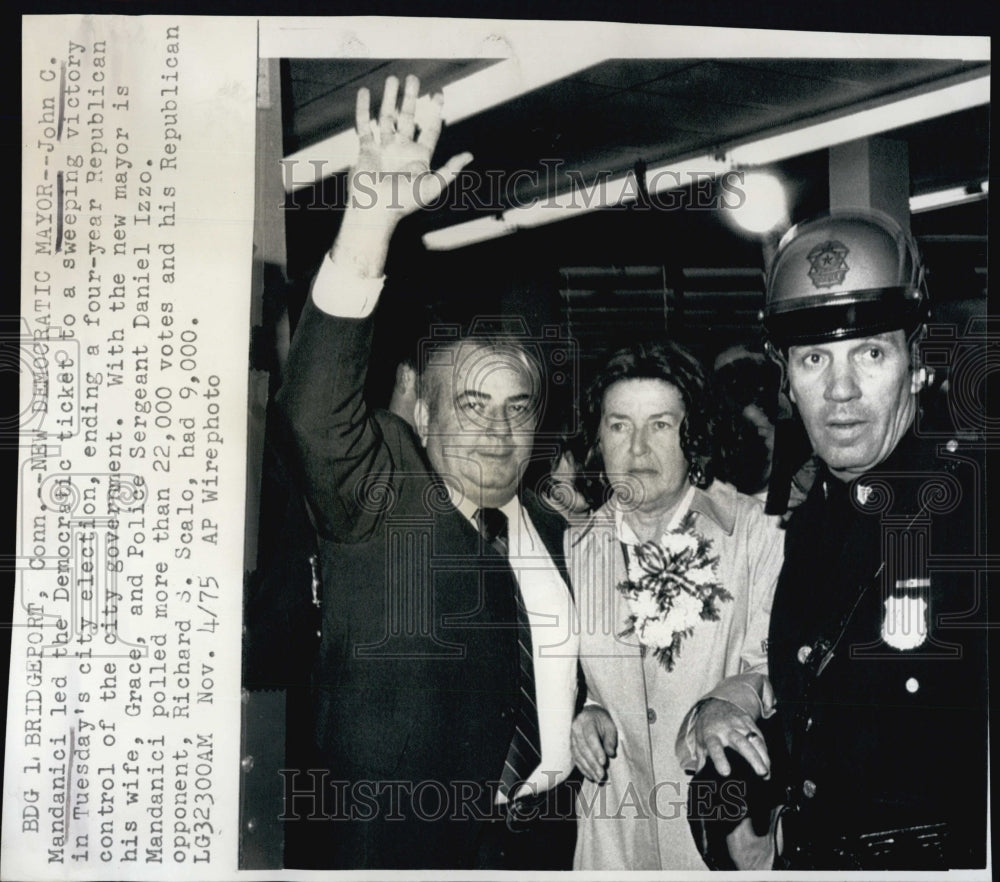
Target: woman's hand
593,741
720,724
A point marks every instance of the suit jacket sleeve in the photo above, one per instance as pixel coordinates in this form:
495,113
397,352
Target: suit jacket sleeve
347,465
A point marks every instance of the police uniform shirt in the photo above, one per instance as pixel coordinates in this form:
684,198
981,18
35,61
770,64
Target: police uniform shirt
886,719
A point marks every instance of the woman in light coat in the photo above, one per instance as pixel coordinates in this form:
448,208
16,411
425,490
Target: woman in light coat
673,578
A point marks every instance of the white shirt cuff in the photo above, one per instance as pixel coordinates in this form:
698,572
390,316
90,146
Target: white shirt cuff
339,291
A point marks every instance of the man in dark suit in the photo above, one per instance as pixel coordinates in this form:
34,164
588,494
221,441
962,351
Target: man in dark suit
433,701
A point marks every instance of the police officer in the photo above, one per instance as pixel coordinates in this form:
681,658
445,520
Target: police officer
877,644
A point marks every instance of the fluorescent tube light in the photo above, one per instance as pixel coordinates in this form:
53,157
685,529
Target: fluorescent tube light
467,233
571,203
490,87
762,151
603,194
948,197
863,123
675,175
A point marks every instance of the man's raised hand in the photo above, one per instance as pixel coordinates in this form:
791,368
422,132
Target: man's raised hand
393,174
392,177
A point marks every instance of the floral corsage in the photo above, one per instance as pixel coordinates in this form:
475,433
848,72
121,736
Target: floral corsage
671,586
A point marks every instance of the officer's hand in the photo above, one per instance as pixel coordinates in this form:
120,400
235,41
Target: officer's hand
720,724
750,851
392,177
593,740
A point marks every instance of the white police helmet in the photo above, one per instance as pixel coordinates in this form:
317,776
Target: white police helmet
847,274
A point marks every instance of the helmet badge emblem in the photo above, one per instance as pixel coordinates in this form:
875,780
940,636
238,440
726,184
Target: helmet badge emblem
828,264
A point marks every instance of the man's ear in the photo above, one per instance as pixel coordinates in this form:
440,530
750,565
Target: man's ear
421,420
920,377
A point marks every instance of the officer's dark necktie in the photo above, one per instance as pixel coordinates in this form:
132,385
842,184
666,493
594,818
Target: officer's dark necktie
524,754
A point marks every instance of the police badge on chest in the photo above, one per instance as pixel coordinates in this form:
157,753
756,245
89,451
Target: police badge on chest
904,625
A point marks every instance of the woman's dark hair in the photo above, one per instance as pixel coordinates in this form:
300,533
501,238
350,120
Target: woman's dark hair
660,361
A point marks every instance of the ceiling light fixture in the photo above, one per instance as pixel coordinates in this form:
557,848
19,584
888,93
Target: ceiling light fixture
756,203
468,233
603,193
497,84
850,126
949,197
858,124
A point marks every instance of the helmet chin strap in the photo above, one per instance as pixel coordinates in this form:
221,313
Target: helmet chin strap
779,483
922,376
778,357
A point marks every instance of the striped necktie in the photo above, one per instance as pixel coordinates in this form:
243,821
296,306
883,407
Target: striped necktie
524,754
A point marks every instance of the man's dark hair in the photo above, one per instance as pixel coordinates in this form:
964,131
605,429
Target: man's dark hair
660,361
749,381
743,458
